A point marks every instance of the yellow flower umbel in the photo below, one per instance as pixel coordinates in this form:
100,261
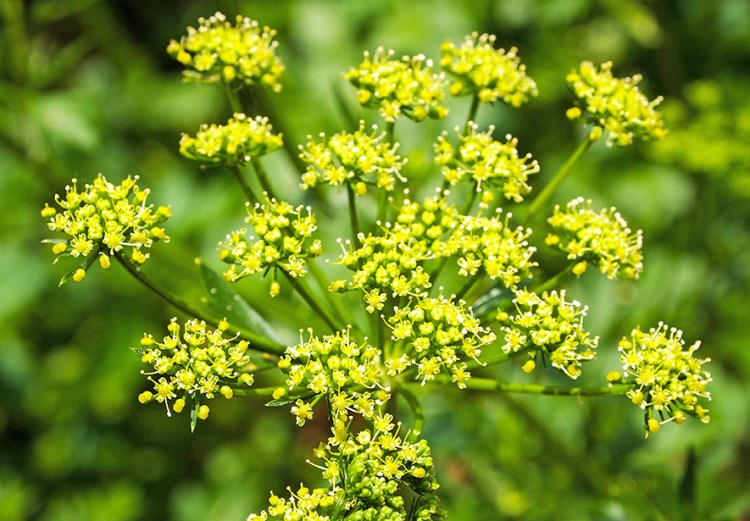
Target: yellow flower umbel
486,162
192,362
549,326
391,264
374,474
102,220
243,53
337,367
603,239
491,245
613,105
241,140
282,238
398,87
437,335
669,381
358,159
488,73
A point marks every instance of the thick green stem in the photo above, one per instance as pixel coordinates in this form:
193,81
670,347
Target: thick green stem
472,114
234,99
558,180
338,308
468,285
353,220
416,409
486,384
249,194
301,288
552,282
164,293
263,178
258,342
470,200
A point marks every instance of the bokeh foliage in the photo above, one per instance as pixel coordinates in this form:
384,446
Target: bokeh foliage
86,87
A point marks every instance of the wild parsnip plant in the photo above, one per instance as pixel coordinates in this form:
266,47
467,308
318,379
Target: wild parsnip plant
433,290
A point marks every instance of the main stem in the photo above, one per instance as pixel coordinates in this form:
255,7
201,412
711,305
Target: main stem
263,178
249,194
558,180
486,384
354,221
301,289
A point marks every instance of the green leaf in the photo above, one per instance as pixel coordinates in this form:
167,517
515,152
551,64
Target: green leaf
280,403
224,302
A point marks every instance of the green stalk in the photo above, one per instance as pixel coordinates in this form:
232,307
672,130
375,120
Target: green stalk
487,384
258,342
338,308
354,221
472,117
470,200
301,288
234,99
558,180
416,409
552,282
468,285
263,178
249,194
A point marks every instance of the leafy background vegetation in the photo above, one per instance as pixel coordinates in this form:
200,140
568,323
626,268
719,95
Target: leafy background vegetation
86,87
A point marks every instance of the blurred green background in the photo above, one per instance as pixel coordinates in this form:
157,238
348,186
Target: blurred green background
86,87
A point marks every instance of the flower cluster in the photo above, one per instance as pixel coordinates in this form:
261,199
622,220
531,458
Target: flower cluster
549,326
282,242
194,361
367,473
487,162
397,87
241,140
601,238
437,334
103,220
358,159
390,264
669,380
488,73
614,105
217,50
348,373
491,244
